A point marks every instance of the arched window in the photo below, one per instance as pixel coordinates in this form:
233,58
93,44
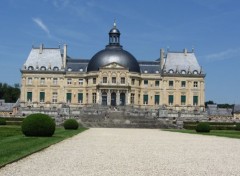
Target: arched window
195,72
55,68
43,68
183,72
30,68
171,71
69,69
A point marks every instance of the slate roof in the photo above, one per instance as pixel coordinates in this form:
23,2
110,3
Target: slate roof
149,66
48,57
77,65
236,108
181,61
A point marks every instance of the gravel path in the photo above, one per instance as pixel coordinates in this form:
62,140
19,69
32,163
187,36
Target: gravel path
109,152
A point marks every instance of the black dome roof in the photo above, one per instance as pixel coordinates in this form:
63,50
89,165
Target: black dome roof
113,53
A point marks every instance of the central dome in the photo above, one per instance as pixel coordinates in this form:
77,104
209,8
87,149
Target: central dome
113,53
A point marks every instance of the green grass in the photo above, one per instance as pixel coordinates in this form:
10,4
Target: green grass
221,133
14,145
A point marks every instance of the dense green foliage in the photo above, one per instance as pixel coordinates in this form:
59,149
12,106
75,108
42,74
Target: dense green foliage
237,127
38,125
2,121
14,145
8,93
203,127
213,125
71,124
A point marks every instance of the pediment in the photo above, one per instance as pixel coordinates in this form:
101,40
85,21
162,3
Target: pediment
113,65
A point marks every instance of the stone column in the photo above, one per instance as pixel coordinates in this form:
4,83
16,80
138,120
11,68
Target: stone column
99,97
108,98
118,98
127,97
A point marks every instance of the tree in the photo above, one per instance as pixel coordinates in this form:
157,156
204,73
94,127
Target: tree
8,93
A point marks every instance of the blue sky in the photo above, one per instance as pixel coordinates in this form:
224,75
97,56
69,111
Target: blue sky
211,27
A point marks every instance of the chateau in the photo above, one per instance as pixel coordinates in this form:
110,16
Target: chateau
112,77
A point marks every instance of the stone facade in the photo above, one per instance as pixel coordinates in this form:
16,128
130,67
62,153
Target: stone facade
51,79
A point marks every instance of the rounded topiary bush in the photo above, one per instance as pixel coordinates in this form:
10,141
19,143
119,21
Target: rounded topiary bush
203,127
71,124
38,125
237,127
3,121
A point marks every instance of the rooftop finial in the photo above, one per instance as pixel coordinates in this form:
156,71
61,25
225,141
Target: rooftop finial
114,24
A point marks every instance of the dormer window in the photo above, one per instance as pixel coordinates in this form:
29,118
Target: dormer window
43,68
195,72
55,68
30,68
145,71
69,69
171,71
81,70
183,72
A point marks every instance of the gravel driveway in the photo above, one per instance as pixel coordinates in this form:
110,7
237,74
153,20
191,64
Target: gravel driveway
108,152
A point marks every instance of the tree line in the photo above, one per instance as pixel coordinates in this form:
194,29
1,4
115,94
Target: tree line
9,93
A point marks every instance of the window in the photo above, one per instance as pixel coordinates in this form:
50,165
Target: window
80,97
94,80
114,80
54,97
69,81
42,97
170,99
80,81
157,98
42,81
195,100
69,97
122,80
145,82
145,99
170,83
183,84
183,99
94,100
195,84
29,96
132,98
30,68
55,68
29,81
133,81
43,68
157,83
104,79
55,81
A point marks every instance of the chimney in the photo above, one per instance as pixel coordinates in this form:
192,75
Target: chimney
161,58
64,55
41,49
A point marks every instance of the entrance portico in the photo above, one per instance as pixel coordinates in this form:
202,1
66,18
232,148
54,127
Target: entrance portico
113,97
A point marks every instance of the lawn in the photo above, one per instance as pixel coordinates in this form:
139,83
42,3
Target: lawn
222,133
14,145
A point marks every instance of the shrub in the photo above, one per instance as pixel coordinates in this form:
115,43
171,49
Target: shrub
203,127
38,125
71,124
237,127
2,121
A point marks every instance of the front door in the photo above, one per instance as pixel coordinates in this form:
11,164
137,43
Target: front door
104,98
122,99
113,99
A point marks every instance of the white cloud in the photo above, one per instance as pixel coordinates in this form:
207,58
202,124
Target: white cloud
40,23
224,55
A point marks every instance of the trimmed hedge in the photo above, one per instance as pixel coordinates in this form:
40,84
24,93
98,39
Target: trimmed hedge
213,125
2,121
40,125
203,127
237,127
71,124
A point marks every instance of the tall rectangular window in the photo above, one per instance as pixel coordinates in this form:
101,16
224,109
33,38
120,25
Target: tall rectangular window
69,97
94,97
114,80
80,97
145,99
157,83
145,82
156,99
183,84
94,80
29,81
170,99
132,98
170,83
122,80
29,96
195,100
80,82
69,81
55,81
42,96
195,84
133,81
104,79
54,97
183,99
42,81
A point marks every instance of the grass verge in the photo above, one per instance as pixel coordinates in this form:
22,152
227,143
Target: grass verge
221,133
14,145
